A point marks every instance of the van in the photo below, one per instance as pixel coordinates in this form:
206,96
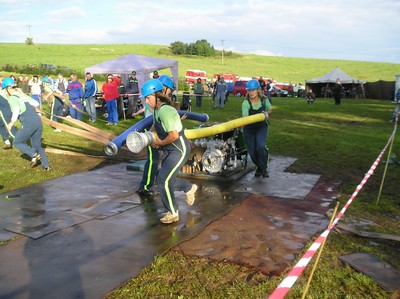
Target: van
193,75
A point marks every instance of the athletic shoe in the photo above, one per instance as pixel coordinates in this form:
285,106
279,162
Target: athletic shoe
265,174
115,124
35,160
57,130
257,174
7,146
169,217
190,195
47,168
145,192
109,124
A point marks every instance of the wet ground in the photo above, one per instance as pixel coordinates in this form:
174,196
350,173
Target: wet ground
85,234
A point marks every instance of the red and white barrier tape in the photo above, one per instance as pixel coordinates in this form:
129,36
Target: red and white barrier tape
284,287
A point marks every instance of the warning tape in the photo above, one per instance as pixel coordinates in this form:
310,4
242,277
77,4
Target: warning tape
284,287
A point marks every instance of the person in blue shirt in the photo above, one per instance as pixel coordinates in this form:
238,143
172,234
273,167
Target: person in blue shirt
90,96
75,91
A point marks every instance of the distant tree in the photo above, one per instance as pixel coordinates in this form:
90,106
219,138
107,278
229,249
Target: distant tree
200,48
29,41
178,48
204,48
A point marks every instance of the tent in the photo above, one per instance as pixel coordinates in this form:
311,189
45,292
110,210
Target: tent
325,82
143,65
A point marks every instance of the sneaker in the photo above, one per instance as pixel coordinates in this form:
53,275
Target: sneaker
57,130
265,174
190,195
257,174
169,217
109,124
115,124
7,146
145,192
47,168
35,160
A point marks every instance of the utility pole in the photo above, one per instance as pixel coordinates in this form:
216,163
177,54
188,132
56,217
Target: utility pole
222,54
29,28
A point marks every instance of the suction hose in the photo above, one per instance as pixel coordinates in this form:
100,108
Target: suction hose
111,148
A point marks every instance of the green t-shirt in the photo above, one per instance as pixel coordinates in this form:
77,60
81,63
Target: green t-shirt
169,118
17,102
246,106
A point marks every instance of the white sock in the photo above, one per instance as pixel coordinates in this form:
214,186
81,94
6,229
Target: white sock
7,142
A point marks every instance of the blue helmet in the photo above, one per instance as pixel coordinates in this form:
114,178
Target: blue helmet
45,79
252,84
151,86
167,81
8,82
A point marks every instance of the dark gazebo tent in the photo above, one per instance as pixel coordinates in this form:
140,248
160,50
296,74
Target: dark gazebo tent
322,85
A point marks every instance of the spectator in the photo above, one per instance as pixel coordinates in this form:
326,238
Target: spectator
155,75
220,93
31,124
111,95
256,134
270,88
397,108
198,91
132,89
35,87
214,88
295,90
90,96
76,93
310,96
337,91
263,85
61,84
171,139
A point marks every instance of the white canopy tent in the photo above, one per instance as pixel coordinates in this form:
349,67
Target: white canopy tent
330,78
333,75
143,65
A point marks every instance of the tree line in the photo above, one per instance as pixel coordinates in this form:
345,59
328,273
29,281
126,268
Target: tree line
199,48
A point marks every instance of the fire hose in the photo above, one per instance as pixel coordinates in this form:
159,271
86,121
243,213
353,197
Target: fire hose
136,141
111,148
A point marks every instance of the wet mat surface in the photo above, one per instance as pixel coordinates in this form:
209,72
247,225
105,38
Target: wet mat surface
94,232
264,233
380,271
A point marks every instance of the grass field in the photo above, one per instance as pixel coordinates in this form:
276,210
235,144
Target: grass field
282,69
338,142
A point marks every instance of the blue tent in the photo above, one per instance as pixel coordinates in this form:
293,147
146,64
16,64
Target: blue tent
143,65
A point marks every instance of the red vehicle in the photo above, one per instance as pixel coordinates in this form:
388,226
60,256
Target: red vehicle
239,88
229,78
193,75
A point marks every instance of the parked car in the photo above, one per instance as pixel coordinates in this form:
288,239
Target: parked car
48,66
239,88
279,92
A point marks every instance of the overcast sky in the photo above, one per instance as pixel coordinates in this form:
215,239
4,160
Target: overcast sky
363,30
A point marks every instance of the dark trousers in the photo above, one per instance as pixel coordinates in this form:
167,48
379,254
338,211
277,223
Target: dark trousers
256,139
56,109
150,168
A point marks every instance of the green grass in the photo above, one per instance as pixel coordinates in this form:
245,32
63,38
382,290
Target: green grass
284,69
338,142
